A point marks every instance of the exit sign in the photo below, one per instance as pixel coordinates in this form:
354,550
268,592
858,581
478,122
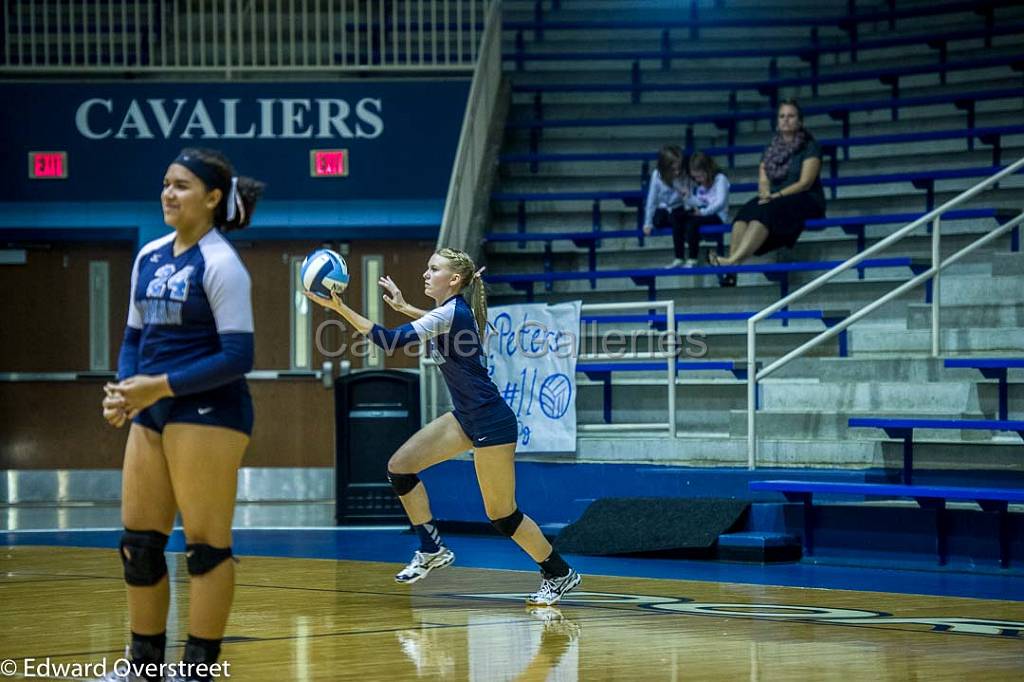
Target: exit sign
328,163
47,165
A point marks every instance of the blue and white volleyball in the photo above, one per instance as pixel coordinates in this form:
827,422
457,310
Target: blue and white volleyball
323,272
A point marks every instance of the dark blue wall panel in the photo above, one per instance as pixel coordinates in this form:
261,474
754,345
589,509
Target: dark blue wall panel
401,136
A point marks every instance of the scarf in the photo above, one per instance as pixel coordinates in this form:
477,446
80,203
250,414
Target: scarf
779,152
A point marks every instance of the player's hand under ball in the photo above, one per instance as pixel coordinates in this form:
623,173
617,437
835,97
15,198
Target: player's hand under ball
332,303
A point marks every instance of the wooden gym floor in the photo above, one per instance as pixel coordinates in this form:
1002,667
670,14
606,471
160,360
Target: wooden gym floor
329,619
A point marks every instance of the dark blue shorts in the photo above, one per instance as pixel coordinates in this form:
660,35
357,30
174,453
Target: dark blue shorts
229,407
490,425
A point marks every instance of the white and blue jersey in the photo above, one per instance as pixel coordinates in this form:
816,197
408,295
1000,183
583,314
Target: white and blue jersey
190,317
454,344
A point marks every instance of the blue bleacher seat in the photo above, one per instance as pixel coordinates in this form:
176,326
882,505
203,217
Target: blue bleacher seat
904,430
602,371
994,500
727,120
992,368
810,52
922,180
991,135
853,225
771,87
778,272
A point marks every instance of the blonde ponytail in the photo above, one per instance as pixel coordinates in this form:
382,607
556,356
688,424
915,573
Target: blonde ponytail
462,265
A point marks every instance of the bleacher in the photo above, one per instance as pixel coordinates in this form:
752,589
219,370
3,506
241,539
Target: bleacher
913,103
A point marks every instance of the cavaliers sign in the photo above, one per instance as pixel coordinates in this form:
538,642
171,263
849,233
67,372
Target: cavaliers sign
400,135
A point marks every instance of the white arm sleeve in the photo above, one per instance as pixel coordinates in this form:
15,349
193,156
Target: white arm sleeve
718,197
438,321
652,191
228,289
134,313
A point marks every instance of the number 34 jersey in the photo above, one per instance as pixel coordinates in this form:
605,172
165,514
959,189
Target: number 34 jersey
182,303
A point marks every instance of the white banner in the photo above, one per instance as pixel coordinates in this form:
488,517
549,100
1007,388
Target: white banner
531,357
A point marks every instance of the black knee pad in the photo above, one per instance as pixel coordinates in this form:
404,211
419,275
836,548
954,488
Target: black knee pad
142,553
508,525
403,483
204,558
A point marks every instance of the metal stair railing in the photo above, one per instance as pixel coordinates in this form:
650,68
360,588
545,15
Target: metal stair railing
932,273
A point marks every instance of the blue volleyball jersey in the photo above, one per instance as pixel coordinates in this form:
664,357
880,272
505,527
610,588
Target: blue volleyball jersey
454,343
191,314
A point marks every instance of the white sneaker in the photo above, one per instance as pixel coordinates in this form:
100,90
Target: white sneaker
552,589
690,263
677,263
422,564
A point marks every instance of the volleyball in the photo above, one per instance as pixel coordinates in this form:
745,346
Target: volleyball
323,272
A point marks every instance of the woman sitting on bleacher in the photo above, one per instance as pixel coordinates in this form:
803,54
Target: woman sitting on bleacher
789,193
667,193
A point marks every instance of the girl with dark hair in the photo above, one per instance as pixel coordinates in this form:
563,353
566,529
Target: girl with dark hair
181,384
706,204
667,191
481,420
789,193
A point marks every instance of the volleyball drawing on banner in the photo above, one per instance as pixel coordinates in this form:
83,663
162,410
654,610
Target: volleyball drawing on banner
531,357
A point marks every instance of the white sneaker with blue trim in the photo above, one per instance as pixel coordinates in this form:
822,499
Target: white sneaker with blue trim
553,589
423,563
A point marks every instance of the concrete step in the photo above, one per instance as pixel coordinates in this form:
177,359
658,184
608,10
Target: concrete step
631,182
1008,264
615,254
993,315
706,135
702,449
908,370
751,101
870,199
968,341
828,425
704,295
747,70
879,396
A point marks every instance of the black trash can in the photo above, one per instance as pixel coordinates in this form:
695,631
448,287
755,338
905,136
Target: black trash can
375,412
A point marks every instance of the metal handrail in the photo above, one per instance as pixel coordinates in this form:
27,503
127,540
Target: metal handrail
235,38
456,222
934,216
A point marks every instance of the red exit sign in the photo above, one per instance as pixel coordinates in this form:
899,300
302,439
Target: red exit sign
47,165
328,163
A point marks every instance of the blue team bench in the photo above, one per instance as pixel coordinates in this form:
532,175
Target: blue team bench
927,496
770,87
829,317
602,371
904,429
991,135
992,368
728,120
777,272
810,52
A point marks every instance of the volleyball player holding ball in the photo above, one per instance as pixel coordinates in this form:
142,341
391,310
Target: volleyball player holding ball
480,420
